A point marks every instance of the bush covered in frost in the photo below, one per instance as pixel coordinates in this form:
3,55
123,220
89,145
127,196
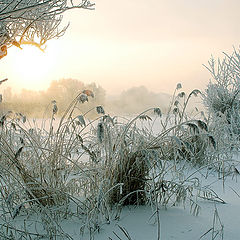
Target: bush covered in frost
222,97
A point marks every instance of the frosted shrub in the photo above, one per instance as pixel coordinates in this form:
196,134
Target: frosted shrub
222,97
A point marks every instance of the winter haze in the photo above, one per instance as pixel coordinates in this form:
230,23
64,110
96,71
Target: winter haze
128,44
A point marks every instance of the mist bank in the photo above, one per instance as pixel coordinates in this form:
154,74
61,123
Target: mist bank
38,103
137,99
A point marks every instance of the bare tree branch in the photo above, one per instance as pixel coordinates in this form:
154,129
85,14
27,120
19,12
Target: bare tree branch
34,21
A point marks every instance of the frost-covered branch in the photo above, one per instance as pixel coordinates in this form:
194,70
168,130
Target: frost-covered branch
222,97
34,21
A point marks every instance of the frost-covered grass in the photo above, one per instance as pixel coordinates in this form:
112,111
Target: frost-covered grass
221,97
83,173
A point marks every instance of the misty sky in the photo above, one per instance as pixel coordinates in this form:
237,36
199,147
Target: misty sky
125,43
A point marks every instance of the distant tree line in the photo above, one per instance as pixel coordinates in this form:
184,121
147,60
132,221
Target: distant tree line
36,103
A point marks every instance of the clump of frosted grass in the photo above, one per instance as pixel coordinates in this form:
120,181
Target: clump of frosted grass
88,170
37,163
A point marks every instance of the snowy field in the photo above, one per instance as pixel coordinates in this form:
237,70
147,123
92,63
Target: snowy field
215,218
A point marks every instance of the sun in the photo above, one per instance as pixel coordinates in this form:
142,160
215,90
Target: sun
33,68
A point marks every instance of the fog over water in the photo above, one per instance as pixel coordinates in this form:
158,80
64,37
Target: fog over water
128,103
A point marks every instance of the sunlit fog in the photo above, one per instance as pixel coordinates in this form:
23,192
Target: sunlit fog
126,46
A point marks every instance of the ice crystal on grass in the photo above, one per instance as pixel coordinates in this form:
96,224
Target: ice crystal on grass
17,154
83,98
108,119
24,119
100,110
202,125
145,117
179,86
2,120
175,110
89,93
17,210
195,92
81,120
212,141
193,127
9,199
2,81
100,132
176,103
181,94
158,111
55,108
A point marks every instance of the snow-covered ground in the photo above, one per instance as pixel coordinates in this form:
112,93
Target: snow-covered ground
179,224
215,220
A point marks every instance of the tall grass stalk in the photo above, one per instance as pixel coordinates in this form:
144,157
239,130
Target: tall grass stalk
88,170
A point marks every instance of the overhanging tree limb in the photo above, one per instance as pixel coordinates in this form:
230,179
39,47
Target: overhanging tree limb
34,21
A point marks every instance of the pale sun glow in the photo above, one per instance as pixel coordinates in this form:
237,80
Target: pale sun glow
33,67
